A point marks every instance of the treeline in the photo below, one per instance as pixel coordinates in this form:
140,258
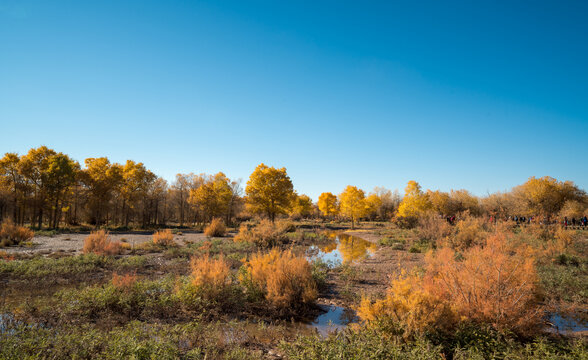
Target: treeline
47,188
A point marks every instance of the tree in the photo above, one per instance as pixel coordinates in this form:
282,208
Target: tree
180,191
135,186
415,201
269,191
301,206
352,204
12,180
102,179
213,197
60,174
546,196
327,204
373,203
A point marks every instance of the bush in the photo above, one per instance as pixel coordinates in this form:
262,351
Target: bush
408,309
210,276
99,243
468,232
432,228
265,234
283,279
11,234
163,238
124,282
216,228
495,284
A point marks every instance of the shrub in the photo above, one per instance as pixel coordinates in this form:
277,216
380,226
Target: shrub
264,235
468,232
99,243
11,234
495,284
216,228
210,276
432,228
124,282
163,238
283,279
408,308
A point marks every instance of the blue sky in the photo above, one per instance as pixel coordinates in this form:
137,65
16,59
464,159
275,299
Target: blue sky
476,95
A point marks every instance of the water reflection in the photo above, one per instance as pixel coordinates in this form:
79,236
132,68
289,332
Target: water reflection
334,318
342,248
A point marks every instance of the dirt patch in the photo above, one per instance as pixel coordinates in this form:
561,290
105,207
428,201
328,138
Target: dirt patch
74,243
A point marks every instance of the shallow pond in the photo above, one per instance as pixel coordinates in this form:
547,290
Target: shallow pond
563,323
334,318
342,248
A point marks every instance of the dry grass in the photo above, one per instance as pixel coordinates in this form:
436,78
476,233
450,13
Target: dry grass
210,276
124,282
285,280
265,234
11,234
98,242
216,228
164,238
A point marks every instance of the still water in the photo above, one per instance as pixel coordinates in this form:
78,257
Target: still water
342,249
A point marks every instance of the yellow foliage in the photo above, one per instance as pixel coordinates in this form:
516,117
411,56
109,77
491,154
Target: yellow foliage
216,228
301,206
99,243
285,280
269,191
265,234
210,276
415,202
468,232
327,204
352,203
409,306
164,238
214,196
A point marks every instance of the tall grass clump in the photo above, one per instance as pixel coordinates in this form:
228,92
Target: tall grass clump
281,278
265,234
211,277
216,228
164,238
11,234
98,242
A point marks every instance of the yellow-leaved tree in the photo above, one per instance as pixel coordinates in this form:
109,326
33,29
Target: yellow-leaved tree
352,204
327,204
213,197
415,201
301,206
269,191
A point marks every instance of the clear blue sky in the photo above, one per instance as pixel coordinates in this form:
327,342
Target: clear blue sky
473,94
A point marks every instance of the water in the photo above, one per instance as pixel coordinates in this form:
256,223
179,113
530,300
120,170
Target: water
563,323
335,318
342,248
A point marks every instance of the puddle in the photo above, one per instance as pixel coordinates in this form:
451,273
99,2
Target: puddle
335,318
342,249
562,323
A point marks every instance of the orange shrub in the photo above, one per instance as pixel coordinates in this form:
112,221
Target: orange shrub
216,228
5,256
285,280
210,276
495,284
265,234
164,238
432,228
409,307
99,243
11,234
124,282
